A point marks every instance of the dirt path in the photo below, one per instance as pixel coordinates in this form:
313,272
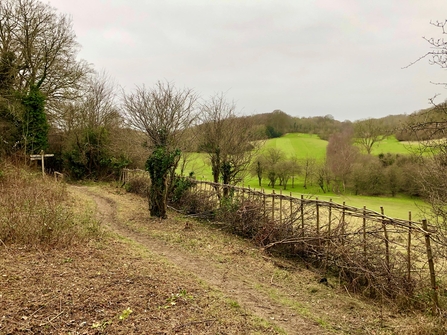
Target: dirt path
232,281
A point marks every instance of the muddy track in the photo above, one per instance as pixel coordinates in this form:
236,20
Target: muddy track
236,285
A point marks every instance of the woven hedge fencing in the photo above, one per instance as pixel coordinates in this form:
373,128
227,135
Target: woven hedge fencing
372,253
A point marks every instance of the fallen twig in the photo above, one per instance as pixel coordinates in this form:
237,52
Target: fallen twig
43,324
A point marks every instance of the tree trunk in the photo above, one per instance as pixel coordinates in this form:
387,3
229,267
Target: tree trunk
158,199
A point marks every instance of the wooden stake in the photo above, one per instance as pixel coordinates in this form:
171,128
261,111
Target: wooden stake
273,206
387,246
280,207
317,207
302,213
364,231
431,267
330,218
409,250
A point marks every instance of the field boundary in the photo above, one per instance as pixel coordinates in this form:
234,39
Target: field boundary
375,253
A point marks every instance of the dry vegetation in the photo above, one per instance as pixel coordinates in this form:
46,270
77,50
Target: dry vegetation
37,212
134,275
61,274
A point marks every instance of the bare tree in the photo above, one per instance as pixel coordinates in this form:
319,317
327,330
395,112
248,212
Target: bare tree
38,51
257,168
341,156
308,169
286,170
369,132
91,127
41,47
273,157
227,139
165,114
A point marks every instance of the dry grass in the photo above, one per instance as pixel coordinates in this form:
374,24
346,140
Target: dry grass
36,211
112,288
56,279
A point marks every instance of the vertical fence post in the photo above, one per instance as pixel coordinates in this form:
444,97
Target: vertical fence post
343,214
273,206
431,267
302,213
317,207
280,207
387,245
330,218
263,202
364,232
409,250
291,210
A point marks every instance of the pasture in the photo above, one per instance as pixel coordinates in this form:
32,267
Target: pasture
300,145
311,146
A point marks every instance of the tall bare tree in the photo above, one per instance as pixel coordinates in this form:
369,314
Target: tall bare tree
227,139
90,126
38,52
369,132
165,114
341,156
41,47
308,168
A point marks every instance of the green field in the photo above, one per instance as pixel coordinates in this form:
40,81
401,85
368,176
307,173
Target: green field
299,145
305,145
392,145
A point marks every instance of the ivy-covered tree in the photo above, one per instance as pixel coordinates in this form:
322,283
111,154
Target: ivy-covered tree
159,165
165,114
38,67
35,125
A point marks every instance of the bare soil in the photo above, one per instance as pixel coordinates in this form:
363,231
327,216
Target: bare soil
174,276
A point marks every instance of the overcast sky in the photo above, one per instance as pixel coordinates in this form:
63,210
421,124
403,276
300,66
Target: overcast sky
307,58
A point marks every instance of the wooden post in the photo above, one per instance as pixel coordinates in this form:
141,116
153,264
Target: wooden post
330,218
409,250
41,157
302,213
280,207
364,232
387,246
263,202
343,214
273,206
431,267
317,207
291,210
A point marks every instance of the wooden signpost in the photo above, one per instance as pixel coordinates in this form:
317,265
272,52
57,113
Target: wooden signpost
41,157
